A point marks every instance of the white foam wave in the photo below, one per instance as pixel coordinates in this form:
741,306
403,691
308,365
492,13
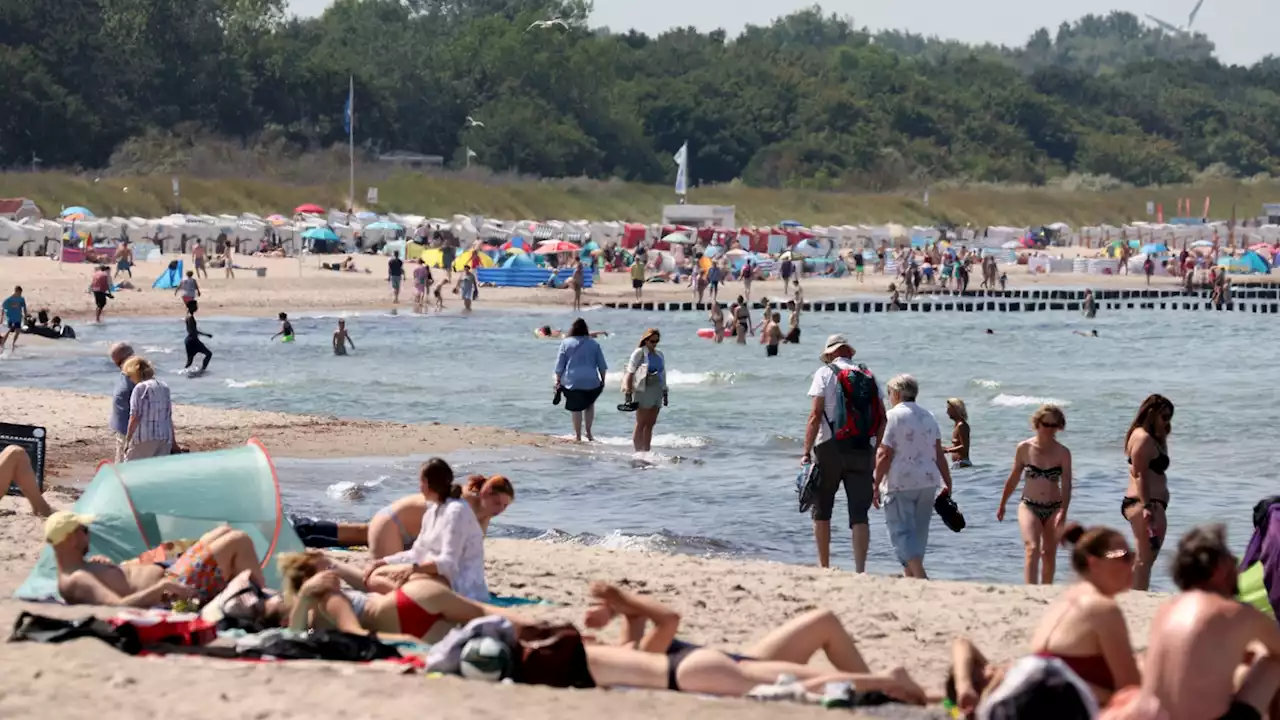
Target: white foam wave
679,377
1003,400
238,385
156,349
345,490
666,440
988,384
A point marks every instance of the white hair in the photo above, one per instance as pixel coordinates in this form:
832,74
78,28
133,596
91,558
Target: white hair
905,386
120,352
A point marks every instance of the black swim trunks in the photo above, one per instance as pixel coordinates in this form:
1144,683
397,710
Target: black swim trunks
770,350
99,299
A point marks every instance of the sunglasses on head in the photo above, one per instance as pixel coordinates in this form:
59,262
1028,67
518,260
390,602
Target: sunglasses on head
1125,554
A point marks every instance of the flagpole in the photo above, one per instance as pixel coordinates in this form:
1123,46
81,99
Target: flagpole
351,142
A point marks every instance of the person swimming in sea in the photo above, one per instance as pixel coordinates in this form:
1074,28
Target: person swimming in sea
341,339
1091,333
286,329
546,332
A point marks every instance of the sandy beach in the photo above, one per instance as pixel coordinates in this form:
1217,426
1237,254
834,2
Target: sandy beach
290,285
79,436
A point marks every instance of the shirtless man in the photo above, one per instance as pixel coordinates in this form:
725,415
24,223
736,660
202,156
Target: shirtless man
772,335
793,322
197,259
1200,638
201,572
341,339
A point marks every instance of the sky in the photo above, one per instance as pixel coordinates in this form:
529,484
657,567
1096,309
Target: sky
1243,30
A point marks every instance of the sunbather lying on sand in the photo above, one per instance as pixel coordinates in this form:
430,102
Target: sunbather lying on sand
1084,628
418,608
678,665
201,572
15,469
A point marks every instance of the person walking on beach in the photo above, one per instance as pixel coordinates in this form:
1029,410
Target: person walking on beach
1044,465
1148,269
1146,501
150,431
124,259
395,274
467,288
421,285
909,465
120,397
579,377
198,260
190,290
15,311
748,274
228,261
194,346
846,420
644,385
1201,661
715,274
341,339
959,449
100,286
637,275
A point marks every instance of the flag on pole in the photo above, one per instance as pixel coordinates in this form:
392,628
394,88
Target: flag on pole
682,162
347,111
471,153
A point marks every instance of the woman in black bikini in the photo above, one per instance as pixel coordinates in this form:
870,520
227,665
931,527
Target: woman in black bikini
1146,502
1045,465
742,320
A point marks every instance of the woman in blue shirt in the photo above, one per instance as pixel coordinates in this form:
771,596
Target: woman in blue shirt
580,371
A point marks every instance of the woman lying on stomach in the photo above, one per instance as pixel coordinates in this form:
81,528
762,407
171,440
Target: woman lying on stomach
421,608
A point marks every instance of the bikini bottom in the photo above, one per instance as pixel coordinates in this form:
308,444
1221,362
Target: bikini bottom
1042,510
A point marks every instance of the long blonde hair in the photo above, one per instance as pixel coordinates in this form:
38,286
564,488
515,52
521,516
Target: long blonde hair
296,568
958,405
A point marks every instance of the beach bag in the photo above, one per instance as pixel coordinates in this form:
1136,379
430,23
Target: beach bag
950,513
319,644
551,655
30,627
859,409
162,627
807,486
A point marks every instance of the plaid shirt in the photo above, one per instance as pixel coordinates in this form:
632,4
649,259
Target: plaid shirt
150,404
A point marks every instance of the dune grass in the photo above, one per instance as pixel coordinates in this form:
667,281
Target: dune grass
441,196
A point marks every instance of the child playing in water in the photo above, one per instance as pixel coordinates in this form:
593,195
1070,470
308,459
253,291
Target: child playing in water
286,330
439,297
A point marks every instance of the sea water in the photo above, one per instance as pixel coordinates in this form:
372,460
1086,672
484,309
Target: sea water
721,476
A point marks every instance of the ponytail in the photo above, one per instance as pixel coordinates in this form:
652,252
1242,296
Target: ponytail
455,491
437,476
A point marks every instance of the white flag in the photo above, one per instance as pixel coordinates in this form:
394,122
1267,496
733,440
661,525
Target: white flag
471,153
682,163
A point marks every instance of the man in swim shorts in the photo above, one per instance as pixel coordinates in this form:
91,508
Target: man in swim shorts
286,329
100,286
772,335
395,274
1202,638
341,339
200,572
15,311
793,334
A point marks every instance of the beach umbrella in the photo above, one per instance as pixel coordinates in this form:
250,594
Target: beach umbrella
790,255
1202,244
735,253
1154,249
308,209
75,217
551,247
678,239
320,233
277,220
712,251
365,216
83,212
384,225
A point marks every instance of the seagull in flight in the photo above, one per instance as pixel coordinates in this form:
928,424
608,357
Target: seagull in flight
547,24
472,122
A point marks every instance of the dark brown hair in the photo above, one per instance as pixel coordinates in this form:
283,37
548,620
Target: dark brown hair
1200,553
578,328
1151,409
438,477
1095,542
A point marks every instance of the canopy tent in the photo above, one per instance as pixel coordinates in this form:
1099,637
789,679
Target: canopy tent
474,258
1249,263
142,504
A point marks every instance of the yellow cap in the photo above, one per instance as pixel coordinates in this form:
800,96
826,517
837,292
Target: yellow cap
62,524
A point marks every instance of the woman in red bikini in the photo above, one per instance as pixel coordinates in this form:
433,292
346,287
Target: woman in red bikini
1085,628
421,609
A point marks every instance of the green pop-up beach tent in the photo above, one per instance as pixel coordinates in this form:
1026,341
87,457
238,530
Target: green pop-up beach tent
139,505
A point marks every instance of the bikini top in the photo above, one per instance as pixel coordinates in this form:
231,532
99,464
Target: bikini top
1053,474
1159,464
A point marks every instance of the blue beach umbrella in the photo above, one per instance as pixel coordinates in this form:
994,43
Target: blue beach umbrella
384,225
1154,249
320,233
76,210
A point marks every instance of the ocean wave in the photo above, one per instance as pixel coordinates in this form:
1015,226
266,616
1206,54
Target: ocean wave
345,490
988,384
238,385
665,440
679,377
156,349
1003,400
660,542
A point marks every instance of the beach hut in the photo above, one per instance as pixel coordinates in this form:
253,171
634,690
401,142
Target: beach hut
140,505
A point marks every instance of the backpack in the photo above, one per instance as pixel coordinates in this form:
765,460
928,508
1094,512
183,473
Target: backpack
859,409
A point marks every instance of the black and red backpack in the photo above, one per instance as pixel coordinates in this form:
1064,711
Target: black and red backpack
859,408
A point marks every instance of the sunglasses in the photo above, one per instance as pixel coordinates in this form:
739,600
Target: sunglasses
1051,426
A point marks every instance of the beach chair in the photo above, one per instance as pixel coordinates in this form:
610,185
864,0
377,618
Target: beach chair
29,438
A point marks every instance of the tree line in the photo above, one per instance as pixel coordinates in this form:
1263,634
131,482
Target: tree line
809,101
